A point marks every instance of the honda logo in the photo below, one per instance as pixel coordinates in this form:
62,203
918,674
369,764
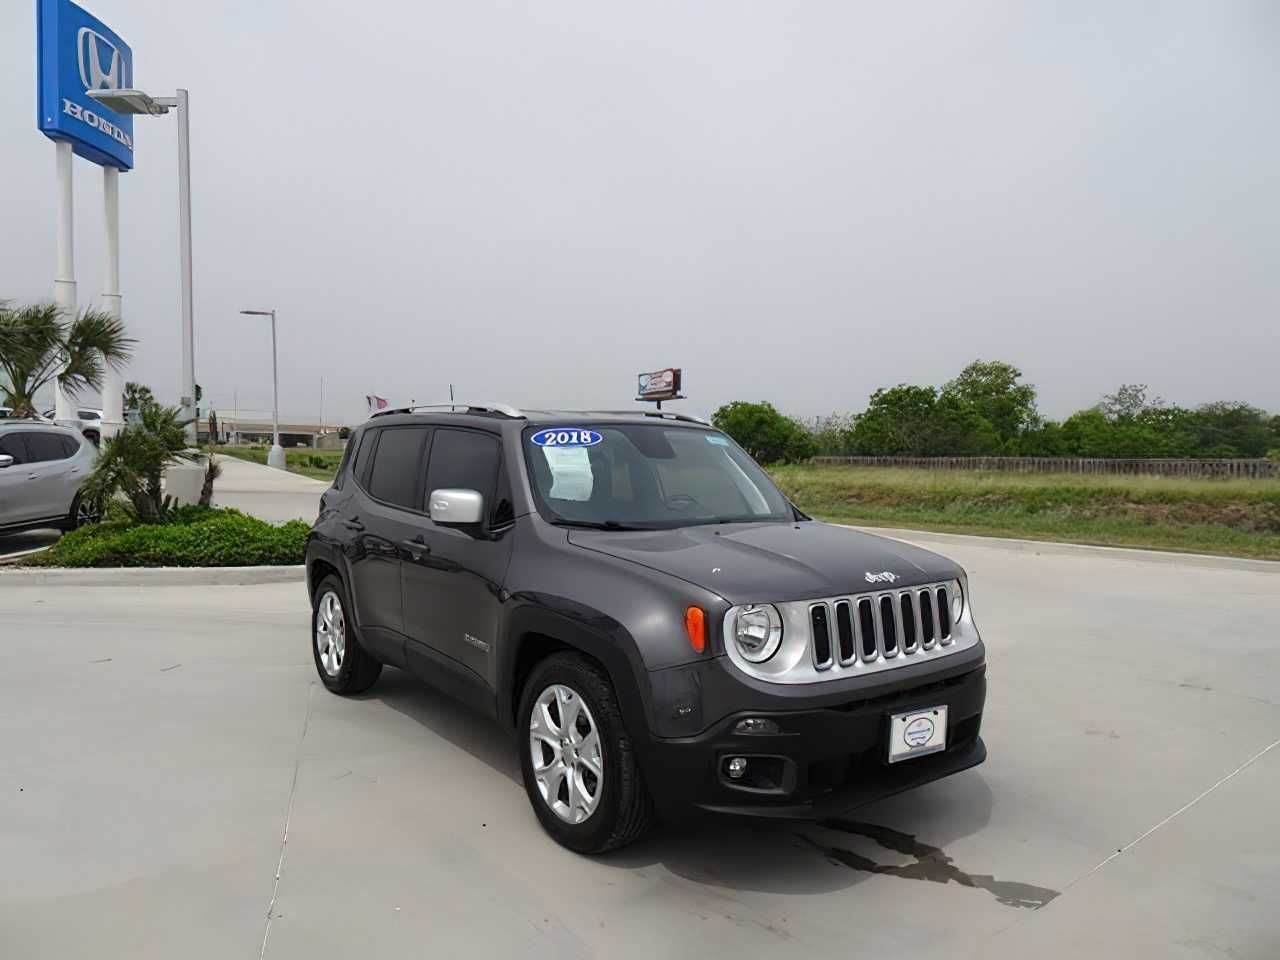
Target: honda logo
101,65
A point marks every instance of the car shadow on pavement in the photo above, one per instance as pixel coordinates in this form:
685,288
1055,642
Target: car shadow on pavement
904,836
797,857
449,718
12,544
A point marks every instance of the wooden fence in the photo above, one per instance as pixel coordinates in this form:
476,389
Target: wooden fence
1196,469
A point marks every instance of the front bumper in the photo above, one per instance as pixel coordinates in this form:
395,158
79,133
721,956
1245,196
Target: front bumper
826,760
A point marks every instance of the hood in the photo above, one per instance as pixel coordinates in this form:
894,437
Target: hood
771,562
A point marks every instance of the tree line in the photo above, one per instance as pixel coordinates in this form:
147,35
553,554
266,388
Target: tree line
988,411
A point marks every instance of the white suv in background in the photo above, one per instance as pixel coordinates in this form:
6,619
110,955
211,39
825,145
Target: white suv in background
42,467
90,423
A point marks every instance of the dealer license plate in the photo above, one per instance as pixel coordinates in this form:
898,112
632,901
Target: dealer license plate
917,733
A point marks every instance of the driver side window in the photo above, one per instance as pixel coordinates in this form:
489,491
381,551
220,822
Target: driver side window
12,445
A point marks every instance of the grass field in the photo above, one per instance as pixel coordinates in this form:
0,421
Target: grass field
1238,518
318,464
1229,517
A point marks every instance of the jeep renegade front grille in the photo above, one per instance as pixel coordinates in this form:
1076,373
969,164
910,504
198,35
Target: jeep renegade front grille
879,626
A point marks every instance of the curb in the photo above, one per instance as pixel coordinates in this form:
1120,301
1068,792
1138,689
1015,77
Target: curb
152,576
1056,548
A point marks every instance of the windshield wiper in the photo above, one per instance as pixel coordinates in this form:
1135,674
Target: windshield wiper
597,524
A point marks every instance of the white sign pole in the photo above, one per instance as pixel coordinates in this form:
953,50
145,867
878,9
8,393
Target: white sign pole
112,378
64,283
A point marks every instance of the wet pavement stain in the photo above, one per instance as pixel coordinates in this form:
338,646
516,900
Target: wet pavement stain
931,864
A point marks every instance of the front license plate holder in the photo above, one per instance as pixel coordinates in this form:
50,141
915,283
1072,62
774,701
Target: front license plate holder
917,733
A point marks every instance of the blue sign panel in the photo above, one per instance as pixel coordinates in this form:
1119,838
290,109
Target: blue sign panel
76,53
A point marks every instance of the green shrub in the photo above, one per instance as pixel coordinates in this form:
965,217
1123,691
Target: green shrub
192,537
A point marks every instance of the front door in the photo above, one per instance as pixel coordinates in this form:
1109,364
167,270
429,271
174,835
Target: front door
18,495
453,587
384,516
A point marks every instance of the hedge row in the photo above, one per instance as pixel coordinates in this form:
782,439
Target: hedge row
192,537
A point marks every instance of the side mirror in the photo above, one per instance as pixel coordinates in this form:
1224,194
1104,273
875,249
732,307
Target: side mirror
5,461
456,508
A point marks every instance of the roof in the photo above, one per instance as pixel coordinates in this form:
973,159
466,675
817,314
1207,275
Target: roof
35,423
504,412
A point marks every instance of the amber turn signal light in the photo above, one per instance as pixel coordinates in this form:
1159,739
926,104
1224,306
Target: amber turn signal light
695,624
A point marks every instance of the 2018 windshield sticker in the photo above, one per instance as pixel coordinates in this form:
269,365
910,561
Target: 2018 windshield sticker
567,437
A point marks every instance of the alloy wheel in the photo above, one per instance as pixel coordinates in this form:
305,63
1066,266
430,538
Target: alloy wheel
564,744
331,633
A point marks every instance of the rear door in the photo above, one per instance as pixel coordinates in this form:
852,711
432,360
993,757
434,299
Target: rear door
452,590
384,515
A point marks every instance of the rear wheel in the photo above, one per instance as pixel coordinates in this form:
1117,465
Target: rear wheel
343,664
580,769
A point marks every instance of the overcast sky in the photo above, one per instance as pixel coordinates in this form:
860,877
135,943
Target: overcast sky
797,202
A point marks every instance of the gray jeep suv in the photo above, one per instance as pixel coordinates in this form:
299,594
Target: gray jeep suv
659,627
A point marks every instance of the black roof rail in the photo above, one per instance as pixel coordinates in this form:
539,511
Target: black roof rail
457,406
660,414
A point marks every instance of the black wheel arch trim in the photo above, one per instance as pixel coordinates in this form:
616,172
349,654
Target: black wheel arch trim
581,628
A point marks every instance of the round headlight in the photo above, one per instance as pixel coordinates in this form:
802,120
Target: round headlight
957,602
757,631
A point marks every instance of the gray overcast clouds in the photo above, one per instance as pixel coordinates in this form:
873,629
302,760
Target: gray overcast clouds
794,201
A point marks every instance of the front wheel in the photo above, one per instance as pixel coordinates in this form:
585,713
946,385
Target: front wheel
580,769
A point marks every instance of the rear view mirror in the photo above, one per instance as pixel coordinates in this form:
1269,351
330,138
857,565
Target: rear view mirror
5,461
456,508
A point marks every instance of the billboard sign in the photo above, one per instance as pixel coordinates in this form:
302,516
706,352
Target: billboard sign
75,53
661,385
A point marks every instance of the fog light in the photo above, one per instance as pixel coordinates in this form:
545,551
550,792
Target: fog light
737,767
756,725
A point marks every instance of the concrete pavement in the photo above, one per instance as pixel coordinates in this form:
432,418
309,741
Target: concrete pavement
265,492
156,742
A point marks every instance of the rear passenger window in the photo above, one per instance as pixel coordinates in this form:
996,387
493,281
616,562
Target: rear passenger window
70,446
397,466
360,469
462,459
11,444
44,447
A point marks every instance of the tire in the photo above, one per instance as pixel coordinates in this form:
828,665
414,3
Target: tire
621,810
343,665
81,512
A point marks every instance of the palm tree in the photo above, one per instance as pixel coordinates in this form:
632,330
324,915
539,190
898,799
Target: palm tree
132,462
39,345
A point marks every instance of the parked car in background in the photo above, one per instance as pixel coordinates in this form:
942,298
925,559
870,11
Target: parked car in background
42,467
90,423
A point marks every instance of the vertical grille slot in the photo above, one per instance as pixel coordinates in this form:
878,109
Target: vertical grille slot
867,629
844,632
819,624
944,614
910,624
927,632
889,623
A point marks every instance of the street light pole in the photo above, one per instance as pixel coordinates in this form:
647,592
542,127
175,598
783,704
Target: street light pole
275,457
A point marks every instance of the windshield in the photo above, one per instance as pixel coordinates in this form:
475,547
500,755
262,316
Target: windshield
647,476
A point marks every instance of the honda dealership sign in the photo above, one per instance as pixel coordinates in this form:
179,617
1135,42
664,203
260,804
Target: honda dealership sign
76,53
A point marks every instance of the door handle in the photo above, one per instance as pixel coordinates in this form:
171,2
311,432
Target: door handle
33,476
417,546
355,525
